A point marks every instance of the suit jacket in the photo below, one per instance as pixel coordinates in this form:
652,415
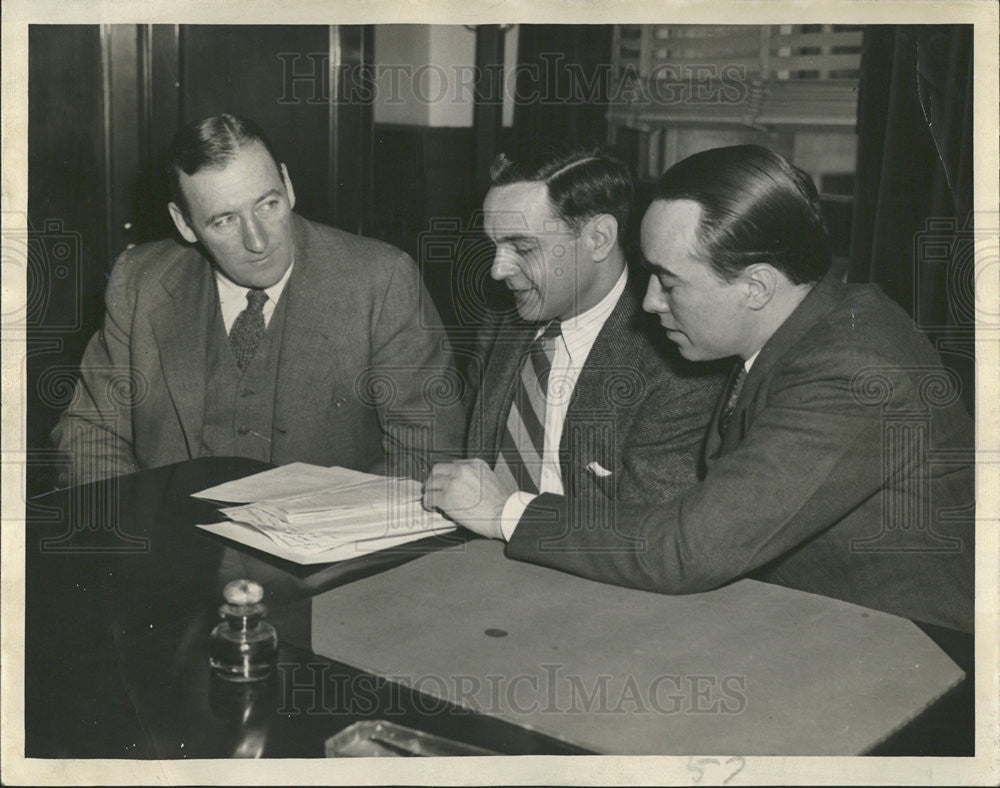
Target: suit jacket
362,359
846,471
638,409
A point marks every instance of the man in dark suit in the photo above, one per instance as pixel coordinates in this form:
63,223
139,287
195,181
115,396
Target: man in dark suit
264,335
839,460
579,394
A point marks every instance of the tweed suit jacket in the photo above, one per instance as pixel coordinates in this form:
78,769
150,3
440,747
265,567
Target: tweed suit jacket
362,357
847,471
638,409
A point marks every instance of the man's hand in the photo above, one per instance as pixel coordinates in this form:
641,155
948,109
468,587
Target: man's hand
469,493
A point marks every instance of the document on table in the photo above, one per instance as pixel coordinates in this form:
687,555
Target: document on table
316,515
293,479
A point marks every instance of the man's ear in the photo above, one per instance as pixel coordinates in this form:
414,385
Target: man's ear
181,223
602,235
762,282
288,186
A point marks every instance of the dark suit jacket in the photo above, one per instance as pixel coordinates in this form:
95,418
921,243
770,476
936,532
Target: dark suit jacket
638,409
362,354
847,471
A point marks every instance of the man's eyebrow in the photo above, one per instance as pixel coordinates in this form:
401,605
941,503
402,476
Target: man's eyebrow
216,216
656,268
514,238
272,192
269,193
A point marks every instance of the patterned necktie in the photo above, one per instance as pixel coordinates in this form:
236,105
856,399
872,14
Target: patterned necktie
523,441
735,386
248,328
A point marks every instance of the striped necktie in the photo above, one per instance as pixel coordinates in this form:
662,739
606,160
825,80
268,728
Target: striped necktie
523,440
248,328
735,387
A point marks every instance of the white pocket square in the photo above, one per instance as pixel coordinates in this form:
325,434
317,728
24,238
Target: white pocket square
598,470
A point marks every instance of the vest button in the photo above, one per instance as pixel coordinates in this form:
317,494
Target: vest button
243,429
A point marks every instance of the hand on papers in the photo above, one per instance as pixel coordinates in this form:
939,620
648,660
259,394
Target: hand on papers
470,493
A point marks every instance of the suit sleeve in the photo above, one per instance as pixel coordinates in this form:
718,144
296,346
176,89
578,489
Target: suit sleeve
96,430
424,417
811,455
481,422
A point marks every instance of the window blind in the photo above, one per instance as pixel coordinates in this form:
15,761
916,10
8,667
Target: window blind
753,75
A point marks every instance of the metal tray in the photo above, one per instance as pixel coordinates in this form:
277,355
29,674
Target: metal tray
382,739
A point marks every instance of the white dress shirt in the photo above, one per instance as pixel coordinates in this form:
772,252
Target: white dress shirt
233,297
576,338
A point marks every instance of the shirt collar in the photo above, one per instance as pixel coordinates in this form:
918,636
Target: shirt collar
229,290
579,331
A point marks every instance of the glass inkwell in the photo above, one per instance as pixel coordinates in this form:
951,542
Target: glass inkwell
243,647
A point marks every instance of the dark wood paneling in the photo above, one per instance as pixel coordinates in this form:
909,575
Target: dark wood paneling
488,111
163,86
159,116
67,252
426,203
123,82
351,122
66,140
423,177
424,194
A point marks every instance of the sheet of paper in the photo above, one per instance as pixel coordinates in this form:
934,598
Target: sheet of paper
251,537
328,534
380,492
296,478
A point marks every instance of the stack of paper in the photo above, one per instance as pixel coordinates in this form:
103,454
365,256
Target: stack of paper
314,515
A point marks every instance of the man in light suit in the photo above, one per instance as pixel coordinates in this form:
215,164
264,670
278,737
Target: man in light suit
264,335
622,416
839,460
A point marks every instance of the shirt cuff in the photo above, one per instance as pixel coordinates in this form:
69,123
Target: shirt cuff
512,511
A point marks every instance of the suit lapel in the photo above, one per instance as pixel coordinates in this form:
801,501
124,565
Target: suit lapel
610,369
181,326
817,303
500,381
310,342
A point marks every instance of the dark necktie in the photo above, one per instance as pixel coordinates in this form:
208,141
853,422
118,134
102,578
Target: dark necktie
735,386
248,328
523,440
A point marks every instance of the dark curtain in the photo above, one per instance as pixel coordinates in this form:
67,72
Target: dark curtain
562,83
912,231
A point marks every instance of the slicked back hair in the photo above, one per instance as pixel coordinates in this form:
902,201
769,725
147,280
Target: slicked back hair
582,182
212,142
756,208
